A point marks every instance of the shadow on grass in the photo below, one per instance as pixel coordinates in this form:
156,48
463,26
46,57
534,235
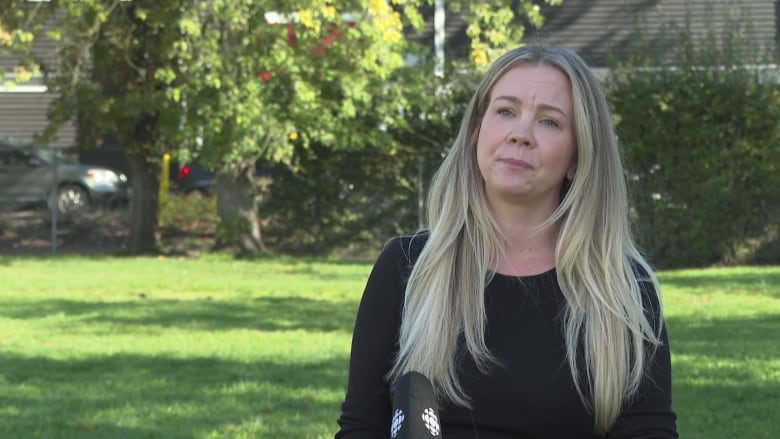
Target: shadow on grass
262,313
765,281
729,338
131,396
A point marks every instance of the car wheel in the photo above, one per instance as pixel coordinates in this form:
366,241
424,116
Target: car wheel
71,198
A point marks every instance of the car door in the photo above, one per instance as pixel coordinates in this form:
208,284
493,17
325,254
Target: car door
10,173
24,177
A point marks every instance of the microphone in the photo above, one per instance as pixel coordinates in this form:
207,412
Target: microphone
415,412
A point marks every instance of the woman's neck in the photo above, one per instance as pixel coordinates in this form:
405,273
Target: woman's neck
529,248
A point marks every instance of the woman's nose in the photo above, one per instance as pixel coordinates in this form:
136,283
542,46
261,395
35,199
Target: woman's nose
521,134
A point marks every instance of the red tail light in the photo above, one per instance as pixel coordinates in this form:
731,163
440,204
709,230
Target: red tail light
184,171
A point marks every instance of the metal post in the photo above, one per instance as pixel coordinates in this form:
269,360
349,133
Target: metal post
439,36
420,193
54,205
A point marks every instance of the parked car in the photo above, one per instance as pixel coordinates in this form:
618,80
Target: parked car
28,175
191,177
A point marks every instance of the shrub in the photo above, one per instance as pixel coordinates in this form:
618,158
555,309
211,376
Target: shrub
187,211
360,196
702,140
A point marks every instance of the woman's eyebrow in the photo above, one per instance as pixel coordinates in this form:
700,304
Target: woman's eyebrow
517,101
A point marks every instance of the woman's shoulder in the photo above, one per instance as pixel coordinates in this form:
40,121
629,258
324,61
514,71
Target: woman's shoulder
392,268
405,248
649,288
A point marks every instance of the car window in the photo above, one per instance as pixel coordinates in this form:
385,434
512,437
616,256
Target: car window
48,156
12,157
25,156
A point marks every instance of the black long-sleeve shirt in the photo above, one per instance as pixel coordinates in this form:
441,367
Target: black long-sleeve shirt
530,394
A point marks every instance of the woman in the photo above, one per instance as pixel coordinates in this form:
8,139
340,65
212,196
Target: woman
526,302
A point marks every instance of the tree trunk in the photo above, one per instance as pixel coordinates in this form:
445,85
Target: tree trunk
238,210
144,206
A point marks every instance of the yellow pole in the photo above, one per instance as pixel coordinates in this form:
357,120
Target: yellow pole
165,177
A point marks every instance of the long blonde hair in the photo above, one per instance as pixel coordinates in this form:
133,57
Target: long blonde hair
597,263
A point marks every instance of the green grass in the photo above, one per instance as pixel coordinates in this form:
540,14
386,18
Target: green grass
724,329
174,348
222,348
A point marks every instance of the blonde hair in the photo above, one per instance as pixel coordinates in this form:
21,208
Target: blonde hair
599,268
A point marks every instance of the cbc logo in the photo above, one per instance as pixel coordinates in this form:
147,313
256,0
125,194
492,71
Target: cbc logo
431,421
398,421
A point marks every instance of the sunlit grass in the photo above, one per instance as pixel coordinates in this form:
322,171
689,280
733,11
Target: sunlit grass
724,326
174,348
221,348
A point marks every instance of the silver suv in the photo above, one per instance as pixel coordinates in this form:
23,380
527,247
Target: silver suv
28,175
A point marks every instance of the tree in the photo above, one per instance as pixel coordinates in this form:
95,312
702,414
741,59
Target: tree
115,60
319,76
16,37
262,82
237,81
699,121
378,192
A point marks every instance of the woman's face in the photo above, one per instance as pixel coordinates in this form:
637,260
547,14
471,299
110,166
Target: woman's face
526,143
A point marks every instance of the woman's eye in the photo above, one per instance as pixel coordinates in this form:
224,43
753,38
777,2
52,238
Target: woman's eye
550,122
504,112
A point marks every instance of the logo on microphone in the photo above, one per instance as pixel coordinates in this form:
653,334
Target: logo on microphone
431,421
398,422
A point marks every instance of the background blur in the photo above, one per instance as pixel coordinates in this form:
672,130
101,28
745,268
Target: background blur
256,126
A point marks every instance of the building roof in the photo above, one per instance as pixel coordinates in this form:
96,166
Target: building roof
601,29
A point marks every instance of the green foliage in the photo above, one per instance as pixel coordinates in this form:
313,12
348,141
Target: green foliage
369,185
18,27
702,140
232,81
257,84
497,25
228,230
185,211
352,198
339,199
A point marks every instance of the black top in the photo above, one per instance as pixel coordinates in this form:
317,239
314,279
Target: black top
529,395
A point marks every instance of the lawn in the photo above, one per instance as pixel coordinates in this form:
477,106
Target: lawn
221,348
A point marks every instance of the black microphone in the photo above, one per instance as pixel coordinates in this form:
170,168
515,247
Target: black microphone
415,412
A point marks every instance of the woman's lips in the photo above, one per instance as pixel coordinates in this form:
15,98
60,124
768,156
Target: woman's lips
516,163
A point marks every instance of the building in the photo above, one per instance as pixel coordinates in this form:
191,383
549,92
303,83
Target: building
602,29
23,108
